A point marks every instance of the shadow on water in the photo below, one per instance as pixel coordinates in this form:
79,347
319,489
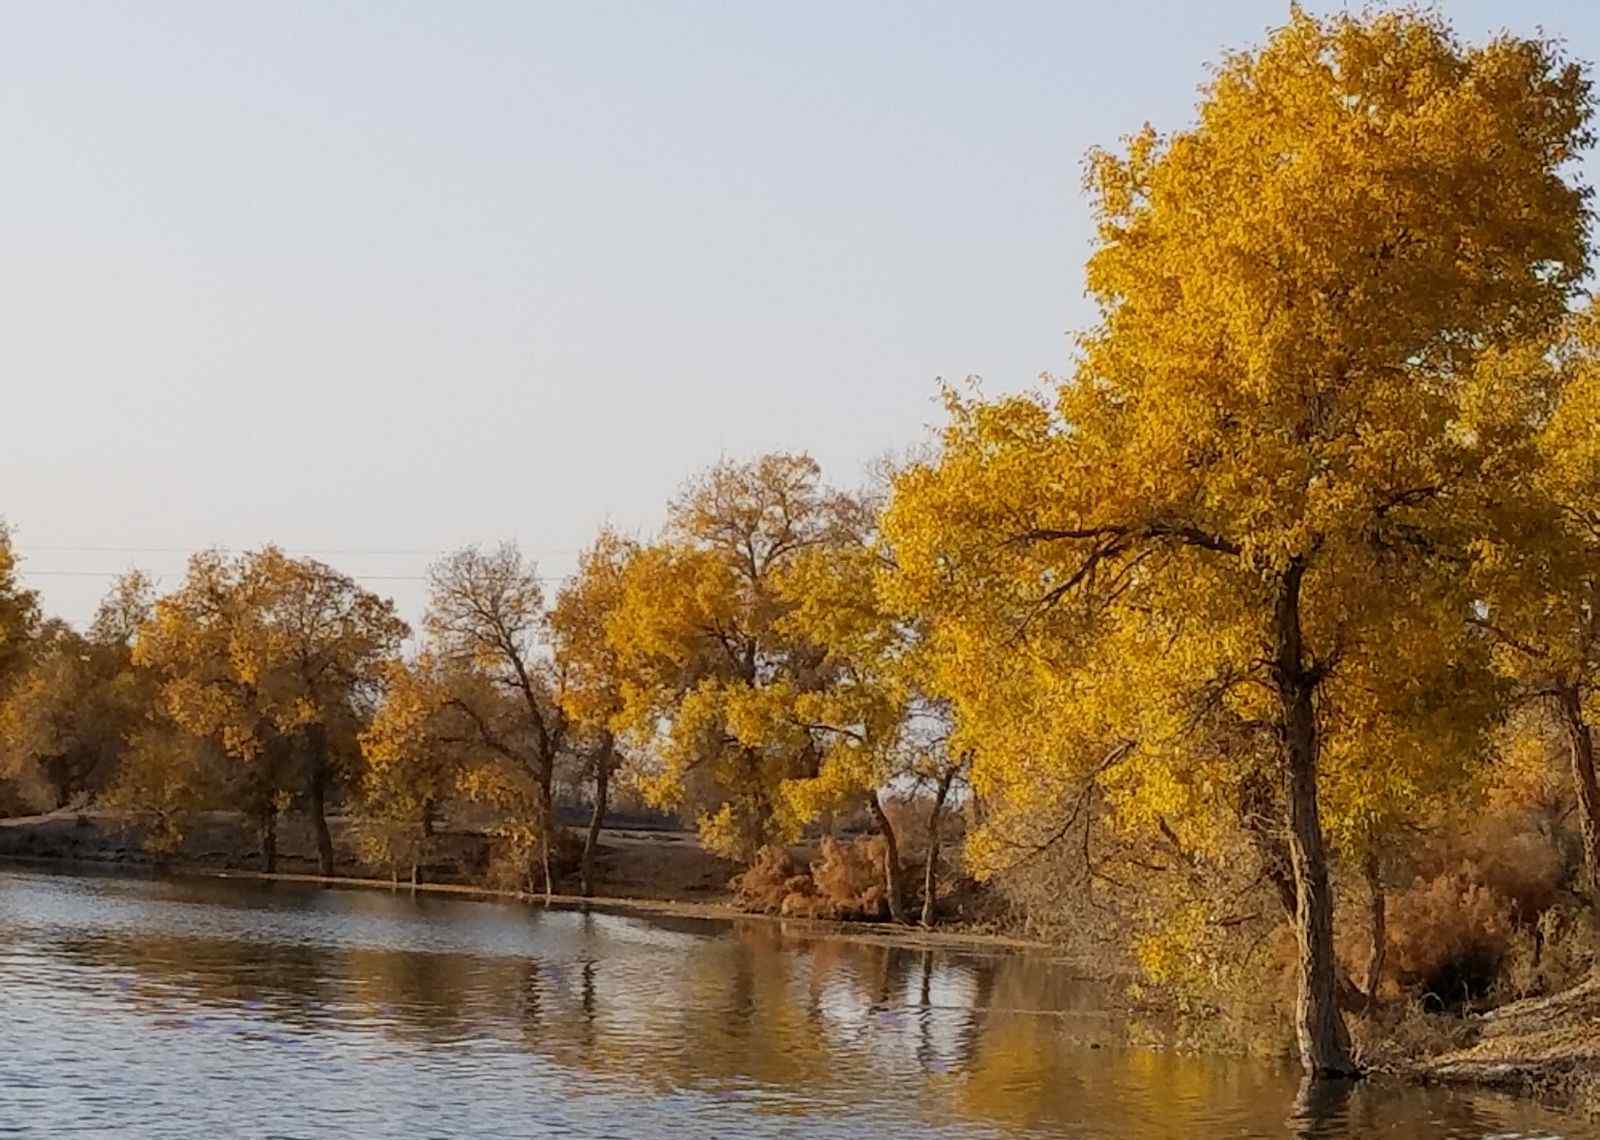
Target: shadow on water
500,1018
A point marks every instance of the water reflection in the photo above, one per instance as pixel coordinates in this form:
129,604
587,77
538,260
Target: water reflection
386,1015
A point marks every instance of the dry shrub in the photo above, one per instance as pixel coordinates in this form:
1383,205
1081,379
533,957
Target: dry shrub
770,879
1505,851
1448,936
1397,1037
1554,954
1481,909
844,884
849,878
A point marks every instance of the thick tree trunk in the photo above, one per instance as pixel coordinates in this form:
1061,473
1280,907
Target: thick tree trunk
892,884
597,819
317,806
930,866
268,834
1319,1025
1262,821
1580,742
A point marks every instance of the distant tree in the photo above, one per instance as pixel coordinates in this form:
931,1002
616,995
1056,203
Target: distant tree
595,674
493,689
19,612
698,630
66,722
416,757
275,661
864,710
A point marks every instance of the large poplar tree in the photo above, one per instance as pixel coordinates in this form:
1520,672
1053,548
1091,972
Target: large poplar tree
1254,476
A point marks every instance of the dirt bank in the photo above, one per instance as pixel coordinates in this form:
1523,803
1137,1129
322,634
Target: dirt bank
1535,1043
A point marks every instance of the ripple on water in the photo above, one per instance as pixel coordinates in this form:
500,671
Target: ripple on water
144,1008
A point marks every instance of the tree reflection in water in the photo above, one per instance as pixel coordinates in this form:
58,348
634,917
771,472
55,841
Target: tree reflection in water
785,1023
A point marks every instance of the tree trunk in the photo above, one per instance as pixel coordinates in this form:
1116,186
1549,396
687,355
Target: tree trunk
1377,927
547,823
268,827
1319,1025
319,819
1262,822
1580,741
930,867
602,788
892,884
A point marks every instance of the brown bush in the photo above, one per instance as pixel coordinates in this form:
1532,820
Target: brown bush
1555,954
849,878
1448,937
844,884
1484,898
1504,850
769,880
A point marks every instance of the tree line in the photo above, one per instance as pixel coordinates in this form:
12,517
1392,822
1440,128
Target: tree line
1308,533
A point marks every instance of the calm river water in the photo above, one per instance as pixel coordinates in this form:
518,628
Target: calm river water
145,1008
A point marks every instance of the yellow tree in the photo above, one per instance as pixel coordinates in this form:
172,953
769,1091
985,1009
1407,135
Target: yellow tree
594,672
19,611
66,722
698,629
871,722
1537,564
419,750
1255,471
276,660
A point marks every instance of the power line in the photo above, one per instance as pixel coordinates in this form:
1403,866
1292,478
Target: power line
26,572
351,551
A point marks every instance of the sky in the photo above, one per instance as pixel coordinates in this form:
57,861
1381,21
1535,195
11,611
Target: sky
376,280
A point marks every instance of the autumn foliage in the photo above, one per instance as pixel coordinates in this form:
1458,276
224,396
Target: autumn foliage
1264,644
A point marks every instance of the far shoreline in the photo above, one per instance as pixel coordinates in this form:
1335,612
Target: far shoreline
896,935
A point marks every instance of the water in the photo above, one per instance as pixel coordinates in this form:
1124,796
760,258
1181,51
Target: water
144,1008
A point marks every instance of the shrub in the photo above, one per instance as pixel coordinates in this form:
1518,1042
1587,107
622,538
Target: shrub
1554,954
844,884
1395,1039
849,878
772,876
1448,936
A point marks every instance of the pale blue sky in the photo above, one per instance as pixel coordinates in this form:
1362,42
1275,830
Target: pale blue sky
398,276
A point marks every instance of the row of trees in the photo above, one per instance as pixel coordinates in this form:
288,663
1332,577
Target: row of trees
1312,525
742,668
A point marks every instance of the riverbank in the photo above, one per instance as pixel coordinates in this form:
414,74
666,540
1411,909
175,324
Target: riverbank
647,872
1549,1043
667,865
